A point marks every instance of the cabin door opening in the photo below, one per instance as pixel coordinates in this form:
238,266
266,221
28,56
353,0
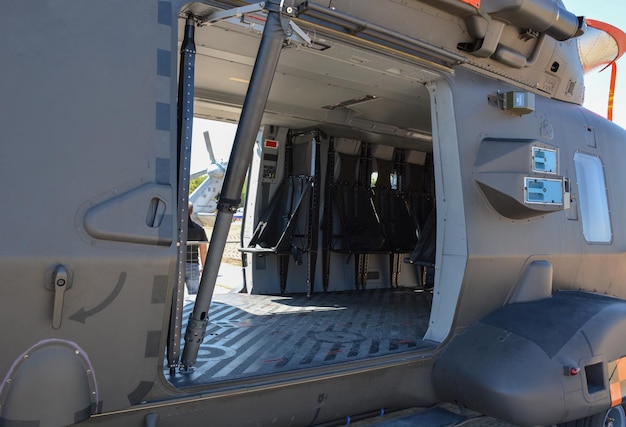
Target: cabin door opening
339,233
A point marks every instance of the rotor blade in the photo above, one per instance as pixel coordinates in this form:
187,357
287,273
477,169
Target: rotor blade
197,174
209,148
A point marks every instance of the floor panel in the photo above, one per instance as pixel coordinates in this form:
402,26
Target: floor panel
252,335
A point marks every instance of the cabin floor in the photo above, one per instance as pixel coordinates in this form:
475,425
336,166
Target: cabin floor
254,335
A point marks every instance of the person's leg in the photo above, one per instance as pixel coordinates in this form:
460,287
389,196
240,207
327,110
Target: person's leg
192,277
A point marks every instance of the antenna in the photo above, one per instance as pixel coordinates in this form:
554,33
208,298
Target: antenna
209,148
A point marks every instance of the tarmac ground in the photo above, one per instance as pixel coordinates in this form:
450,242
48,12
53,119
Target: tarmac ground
445,415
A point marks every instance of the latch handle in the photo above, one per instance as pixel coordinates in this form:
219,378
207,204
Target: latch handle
60,283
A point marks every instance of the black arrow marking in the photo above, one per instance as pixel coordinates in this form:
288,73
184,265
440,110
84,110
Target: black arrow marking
82,314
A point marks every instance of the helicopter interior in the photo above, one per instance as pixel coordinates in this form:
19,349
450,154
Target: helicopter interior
338,246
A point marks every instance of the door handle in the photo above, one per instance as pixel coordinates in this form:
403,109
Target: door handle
61,281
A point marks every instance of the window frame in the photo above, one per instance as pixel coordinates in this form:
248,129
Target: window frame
595,212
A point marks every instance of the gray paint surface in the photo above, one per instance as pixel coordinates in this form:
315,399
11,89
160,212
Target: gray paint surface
87,162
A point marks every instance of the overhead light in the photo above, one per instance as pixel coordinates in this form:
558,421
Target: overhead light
318,46
350,102
238,80
422,136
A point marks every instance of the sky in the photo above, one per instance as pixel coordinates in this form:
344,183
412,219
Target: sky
596,88
222,135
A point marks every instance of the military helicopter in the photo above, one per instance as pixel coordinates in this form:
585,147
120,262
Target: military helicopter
203,198
431,214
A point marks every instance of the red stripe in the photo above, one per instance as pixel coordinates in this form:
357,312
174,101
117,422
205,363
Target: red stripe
609,114
475,3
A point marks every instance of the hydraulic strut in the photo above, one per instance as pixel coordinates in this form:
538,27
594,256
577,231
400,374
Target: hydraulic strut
240,158
184,134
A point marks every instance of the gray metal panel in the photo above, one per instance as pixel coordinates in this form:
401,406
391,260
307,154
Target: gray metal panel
516,363
84,122
496,264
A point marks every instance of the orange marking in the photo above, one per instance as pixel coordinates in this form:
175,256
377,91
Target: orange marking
616,394
475,3
621,369
612,91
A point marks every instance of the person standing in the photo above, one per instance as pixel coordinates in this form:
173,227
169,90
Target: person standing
196,254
